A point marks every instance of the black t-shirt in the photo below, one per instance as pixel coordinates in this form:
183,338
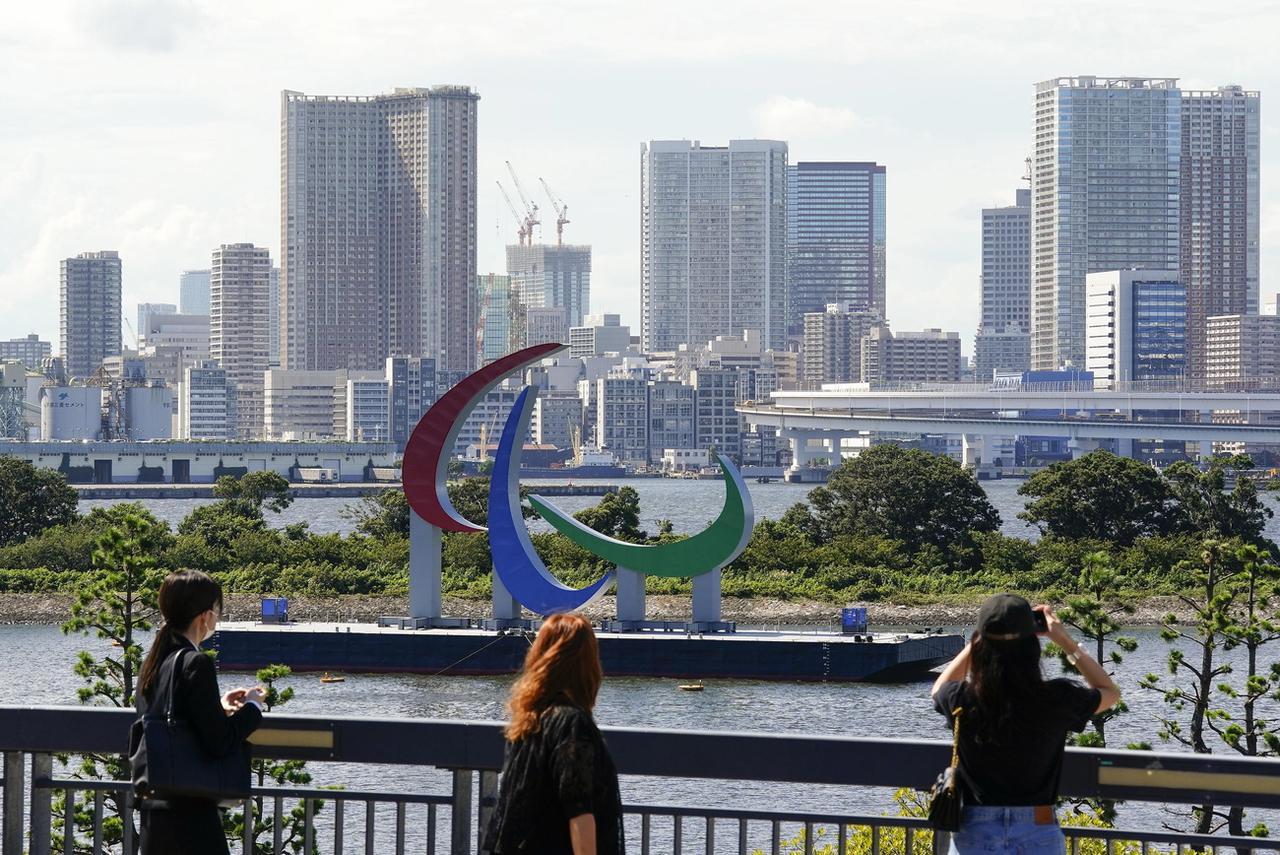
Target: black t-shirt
1022,767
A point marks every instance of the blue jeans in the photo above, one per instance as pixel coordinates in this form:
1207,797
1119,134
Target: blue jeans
988,830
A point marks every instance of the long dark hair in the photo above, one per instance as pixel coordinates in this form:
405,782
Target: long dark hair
1006,683
562,664
184,596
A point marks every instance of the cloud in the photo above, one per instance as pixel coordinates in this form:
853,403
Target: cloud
151,26
796,118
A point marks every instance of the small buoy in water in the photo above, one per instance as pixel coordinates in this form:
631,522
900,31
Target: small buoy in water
691,687
329,678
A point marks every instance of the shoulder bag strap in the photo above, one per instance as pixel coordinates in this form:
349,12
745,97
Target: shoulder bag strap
955,737
173,683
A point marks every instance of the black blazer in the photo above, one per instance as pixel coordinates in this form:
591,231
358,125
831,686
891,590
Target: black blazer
198,702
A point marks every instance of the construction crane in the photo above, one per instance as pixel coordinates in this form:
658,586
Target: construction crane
562,211
520,223
530,208
136,344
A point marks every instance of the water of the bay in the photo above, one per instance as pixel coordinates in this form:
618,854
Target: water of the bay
689,505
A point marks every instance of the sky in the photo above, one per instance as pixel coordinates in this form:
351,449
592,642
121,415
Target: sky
152,127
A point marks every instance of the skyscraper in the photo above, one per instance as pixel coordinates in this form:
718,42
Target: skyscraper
240,285
1220,201
713,242
378,228
550,277
495,328
1105,196
835,238
1004,326
273,319
1137,322
193,292
89,310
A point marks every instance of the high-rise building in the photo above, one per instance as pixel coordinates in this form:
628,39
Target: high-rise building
831,350
1137,326
1219,210
89,310
671,417
297,404
193,292
366,409
1003,342
598,335
206,404
1105,196
544,276
717,425
412,384
622,415
556,417
713,242
929,356
545,324
496,310
378,228
835,238
30,351
273,319
147,310
1243,352
240,285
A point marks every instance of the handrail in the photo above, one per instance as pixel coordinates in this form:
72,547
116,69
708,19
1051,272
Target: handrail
797,758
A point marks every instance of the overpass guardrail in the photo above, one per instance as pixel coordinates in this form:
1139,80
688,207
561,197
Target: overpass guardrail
462,759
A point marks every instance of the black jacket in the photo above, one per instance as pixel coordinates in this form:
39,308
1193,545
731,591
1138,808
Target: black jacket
193,826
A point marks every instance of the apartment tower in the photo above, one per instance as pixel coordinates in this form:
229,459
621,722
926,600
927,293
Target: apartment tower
1219,212
378,228
89,311
239,327
1003,342
1105,196
713,242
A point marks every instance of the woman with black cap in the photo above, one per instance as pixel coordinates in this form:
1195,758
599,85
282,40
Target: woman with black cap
1013,725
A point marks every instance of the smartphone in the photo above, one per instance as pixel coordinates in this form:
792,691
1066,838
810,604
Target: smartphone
1042,625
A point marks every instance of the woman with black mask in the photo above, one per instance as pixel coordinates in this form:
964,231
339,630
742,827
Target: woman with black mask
1013,725
191,603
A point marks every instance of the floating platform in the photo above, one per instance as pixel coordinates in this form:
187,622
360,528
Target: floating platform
743,655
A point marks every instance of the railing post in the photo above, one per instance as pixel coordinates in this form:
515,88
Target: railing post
41,803
460,821
488,800
15,773
941,842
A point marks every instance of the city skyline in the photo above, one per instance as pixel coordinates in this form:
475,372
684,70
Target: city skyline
222,124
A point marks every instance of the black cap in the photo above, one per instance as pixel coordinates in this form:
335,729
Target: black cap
1006,617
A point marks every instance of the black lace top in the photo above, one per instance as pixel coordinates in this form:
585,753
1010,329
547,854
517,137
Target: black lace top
560,771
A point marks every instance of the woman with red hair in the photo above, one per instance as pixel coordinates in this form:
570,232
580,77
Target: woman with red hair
559,789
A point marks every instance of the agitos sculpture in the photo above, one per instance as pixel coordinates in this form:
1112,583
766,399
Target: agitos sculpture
520,577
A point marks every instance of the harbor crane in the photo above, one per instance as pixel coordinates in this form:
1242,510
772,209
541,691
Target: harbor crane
562,211
530,208
522,231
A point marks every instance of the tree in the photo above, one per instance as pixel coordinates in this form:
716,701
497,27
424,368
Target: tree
251,492
908,495
1095,613
1190,703
115,606
1100,496
616,515
382,515
281,773
1208,509
34,499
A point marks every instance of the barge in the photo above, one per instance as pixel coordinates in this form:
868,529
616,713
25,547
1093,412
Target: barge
743,655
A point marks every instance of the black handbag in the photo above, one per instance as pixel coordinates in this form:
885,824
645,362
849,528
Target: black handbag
168,760
944,804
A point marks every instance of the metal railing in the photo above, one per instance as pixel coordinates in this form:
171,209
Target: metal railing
463,758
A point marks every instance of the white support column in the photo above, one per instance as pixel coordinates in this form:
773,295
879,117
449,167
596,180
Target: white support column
424,568
630,597
971,450
706,597
1080,447
505,606
1206,445
1124,447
